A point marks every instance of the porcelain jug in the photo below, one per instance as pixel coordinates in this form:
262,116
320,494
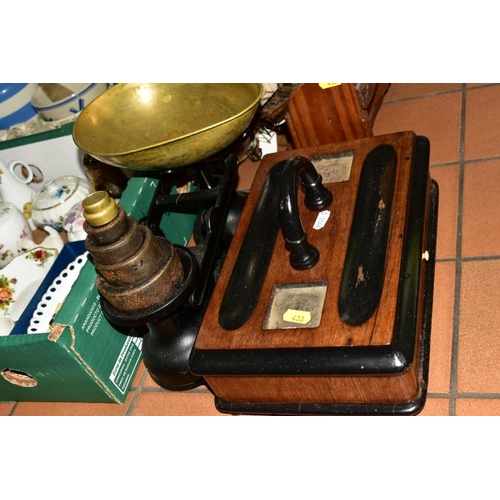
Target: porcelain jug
13,228
15,189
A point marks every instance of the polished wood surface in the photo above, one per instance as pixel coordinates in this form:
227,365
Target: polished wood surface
318,116
317,389
332,242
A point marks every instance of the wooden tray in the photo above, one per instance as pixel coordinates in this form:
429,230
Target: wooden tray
349,357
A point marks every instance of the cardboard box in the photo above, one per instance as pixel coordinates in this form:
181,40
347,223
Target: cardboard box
53,152
84,357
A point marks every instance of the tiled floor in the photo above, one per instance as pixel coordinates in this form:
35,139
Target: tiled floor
462,122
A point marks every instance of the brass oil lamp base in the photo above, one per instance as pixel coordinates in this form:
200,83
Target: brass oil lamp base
159,289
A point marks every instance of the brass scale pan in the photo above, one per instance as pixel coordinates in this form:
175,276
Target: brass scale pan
157,126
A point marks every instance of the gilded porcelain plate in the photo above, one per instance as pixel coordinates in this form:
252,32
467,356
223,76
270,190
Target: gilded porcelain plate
21,277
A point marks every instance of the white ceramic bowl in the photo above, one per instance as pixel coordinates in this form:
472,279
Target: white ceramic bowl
15,103
13,227
53,202
83,94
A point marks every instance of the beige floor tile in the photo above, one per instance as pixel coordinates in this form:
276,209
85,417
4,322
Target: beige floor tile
73,409
479,342
436,117
5,409
435,407
481,209
175,404
407,90
478,407
442,328
482,126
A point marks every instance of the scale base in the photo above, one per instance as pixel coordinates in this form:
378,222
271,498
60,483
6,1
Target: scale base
376,367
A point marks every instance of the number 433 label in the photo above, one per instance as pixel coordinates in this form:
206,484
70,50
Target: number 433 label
294,316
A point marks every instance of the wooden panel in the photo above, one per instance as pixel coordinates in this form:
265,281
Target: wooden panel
333,389
332,242
318,116
375,101
328,388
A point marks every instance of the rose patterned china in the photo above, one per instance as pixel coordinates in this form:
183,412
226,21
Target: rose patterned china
13,228
53,202
20,279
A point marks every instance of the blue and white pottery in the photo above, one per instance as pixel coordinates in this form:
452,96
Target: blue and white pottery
83,94
15,103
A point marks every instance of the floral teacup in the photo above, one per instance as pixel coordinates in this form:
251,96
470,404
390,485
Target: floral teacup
13,228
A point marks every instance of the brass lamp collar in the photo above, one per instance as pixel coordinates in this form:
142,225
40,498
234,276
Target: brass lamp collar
99,208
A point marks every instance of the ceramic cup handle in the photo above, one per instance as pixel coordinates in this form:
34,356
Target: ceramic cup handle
6,325
15,168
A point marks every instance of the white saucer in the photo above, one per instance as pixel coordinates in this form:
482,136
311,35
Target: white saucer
21,277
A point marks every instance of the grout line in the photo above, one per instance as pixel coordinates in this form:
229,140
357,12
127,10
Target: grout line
432,94
137,392
445,164
13,409
440,93
458,266
466,162
478,395
472,258
482,86
438,395
479,160
140,389
479,258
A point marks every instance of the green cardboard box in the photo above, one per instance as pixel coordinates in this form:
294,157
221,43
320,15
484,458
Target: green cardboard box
84,358
53,151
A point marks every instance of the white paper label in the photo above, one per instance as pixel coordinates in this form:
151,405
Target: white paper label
321,219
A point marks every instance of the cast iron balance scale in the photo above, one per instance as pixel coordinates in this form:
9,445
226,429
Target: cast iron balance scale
310,295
